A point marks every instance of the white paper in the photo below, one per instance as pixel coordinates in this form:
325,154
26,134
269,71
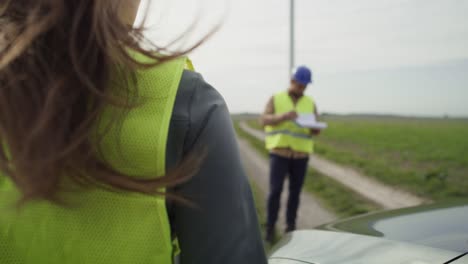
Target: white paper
308,121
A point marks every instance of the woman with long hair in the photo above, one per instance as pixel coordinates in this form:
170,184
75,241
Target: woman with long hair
112,153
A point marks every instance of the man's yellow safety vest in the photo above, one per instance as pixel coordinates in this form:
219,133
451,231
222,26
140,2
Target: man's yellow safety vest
100,226
288,134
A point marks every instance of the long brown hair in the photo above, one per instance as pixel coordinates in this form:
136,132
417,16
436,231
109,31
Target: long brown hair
56,58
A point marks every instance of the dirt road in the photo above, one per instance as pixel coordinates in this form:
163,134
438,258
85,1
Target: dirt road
311,213
386,196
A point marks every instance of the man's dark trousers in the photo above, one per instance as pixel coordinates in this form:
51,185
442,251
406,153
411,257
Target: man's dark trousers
279,168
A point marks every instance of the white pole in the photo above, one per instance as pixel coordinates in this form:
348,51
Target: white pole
291,38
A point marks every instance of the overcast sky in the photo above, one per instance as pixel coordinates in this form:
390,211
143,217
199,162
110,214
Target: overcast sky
405,57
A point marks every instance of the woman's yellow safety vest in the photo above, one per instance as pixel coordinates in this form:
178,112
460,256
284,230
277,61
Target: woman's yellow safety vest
288,134
100,226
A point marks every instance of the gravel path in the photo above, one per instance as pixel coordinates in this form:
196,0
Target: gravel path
386,196
311,213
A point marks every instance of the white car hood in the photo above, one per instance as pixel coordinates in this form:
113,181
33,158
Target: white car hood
326,247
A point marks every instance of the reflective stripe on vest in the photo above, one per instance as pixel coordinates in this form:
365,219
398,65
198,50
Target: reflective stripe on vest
101,226
288,134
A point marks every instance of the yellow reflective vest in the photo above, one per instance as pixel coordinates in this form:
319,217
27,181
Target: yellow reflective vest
288,134
100,226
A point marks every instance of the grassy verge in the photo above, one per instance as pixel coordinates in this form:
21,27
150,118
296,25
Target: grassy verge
259,197
253,123
336,197
260,203
254,142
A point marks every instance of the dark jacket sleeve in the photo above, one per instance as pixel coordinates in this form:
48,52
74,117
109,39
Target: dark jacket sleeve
224,227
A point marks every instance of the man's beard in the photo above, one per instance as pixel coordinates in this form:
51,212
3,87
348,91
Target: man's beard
295,95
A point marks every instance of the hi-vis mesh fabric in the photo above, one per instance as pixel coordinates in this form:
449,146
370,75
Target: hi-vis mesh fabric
101,226
288,134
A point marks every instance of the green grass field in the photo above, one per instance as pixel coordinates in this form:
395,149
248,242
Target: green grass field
428,157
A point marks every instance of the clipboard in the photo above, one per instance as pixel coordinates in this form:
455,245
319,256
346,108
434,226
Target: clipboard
309,121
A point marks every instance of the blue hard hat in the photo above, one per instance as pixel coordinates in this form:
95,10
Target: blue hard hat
302,75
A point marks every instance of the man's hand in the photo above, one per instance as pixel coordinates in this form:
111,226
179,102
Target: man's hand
288,116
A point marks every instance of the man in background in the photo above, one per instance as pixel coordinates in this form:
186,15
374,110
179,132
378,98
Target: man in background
290,146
